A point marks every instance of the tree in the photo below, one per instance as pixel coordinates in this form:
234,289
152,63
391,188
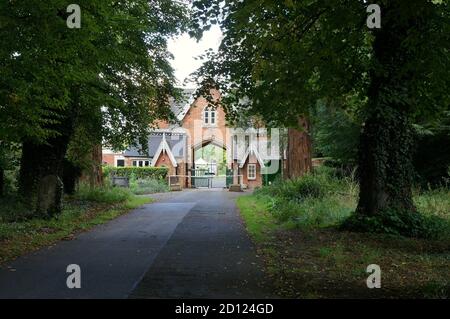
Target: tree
111,76
286,55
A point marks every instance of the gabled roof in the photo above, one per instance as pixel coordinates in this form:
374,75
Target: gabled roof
254,151
175,140
164,147
180,108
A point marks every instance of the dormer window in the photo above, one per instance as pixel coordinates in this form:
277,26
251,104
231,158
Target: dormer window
209,116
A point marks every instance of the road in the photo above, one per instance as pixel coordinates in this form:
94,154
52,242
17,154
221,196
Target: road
189,244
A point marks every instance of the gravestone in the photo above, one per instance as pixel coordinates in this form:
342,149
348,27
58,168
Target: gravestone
50,196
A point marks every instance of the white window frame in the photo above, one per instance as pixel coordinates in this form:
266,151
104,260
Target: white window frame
138,161
209,113
249,177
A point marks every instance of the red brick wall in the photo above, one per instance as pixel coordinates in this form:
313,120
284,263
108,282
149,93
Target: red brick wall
164,160
197,132
108,159
251,184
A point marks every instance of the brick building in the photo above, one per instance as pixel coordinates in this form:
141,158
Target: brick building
249,153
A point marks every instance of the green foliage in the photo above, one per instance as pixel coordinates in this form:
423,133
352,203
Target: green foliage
157,173
399,222
314,200
13,208
335,134
148,186
283,56
108,195
430,221
432,154
278,58
111,77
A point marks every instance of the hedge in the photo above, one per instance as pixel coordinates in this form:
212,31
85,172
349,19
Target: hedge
138,172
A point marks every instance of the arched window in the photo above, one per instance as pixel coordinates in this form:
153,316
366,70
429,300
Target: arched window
209,116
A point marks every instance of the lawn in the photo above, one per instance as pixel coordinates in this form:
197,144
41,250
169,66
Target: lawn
20,235
307,256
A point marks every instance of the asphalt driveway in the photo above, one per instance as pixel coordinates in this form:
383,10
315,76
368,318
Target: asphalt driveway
189,244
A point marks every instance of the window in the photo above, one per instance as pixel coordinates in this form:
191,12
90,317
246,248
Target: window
213,116
206,116
120,163
251,171
141,163
209,116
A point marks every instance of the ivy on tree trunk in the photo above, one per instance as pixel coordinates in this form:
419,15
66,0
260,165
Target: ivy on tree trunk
40,160
2,181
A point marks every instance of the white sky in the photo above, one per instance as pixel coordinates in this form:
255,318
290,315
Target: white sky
186,49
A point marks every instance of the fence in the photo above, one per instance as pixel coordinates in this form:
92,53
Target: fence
206,181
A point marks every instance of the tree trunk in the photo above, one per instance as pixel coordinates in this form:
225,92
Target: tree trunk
96,174
385,154
71,176
385,163
2,181
298,161
41,161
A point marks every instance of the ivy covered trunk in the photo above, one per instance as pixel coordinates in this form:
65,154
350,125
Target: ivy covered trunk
41,171
385,163
385,152
2,181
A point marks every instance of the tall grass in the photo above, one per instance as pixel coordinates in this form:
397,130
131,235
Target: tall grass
148,186
318,199
108,195
325,198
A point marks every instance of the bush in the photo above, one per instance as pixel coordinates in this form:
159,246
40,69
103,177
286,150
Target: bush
431,220
158,173
314,185
109,195
403,223
14,209
318,199
148,186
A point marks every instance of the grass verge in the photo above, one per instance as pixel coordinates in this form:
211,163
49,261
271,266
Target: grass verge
81,212
307,256
327,263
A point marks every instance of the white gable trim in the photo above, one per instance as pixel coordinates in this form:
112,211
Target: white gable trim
164,147
252,150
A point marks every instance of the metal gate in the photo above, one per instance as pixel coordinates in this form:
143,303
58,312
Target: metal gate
205,179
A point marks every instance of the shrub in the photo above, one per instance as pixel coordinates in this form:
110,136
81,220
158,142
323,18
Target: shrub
136,172
318,199
14,209
148,186
399,222
313,185
107,195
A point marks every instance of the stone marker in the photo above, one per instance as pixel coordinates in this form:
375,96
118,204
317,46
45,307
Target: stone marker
50,196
